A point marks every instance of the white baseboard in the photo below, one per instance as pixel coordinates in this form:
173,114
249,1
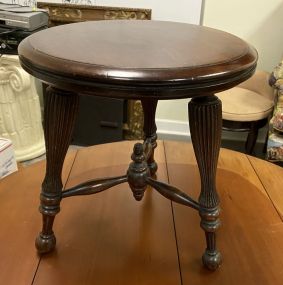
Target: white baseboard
180,131
173,130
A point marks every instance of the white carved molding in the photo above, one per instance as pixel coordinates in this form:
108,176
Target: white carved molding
20,115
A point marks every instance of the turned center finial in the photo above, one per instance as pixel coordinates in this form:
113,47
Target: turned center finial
138,172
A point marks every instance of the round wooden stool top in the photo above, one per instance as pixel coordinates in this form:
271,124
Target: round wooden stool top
133,59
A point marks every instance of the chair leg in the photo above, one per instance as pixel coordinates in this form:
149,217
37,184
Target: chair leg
264,150
251,139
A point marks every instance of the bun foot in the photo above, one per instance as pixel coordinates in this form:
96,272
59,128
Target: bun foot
45,243
212,260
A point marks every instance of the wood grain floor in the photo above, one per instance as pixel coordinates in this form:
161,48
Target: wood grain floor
109,238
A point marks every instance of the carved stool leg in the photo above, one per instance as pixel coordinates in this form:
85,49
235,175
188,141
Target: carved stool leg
59,115
149,108
205,117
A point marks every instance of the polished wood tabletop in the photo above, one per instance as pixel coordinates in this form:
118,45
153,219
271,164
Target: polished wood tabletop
142,58
110,238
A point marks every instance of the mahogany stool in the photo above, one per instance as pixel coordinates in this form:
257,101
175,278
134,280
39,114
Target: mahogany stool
145,60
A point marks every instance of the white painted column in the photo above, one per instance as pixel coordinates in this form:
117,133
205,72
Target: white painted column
20,115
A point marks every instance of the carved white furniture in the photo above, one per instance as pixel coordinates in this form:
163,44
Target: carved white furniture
20,115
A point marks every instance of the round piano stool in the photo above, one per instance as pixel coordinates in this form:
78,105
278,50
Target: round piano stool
145,60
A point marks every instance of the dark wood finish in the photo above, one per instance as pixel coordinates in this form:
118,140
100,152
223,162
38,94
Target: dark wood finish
138,176
193,60
149,128
60,14
60,109
172,193
205,117
138,172
251,127
94,186
146,60
109,238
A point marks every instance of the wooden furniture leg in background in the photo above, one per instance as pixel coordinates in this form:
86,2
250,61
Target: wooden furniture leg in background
150,136
59,115
205,118
252,137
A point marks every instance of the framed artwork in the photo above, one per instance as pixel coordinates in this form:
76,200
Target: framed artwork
71,13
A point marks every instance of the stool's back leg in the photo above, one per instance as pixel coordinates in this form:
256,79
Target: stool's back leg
60,109
149,108
205,117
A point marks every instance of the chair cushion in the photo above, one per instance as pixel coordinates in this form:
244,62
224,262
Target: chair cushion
243,105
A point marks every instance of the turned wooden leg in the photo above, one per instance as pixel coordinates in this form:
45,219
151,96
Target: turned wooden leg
149,108
205,117
60,108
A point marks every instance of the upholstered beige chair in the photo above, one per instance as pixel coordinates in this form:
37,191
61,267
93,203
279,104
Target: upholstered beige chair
247,107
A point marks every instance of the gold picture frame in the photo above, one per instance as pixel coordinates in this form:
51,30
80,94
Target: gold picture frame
71,13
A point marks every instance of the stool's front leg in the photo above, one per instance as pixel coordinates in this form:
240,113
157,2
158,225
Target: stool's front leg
149,108
60,108
205,117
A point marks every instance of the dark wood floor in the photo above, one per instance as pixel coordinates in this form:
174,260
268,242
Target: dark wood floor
109,238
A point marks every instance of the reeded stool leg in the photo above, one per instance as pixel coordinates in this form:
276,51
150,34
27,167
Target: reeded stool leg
205,117
60,108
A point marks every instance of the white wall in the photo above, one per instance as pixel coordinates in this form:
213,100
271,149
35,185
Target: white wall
258,22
